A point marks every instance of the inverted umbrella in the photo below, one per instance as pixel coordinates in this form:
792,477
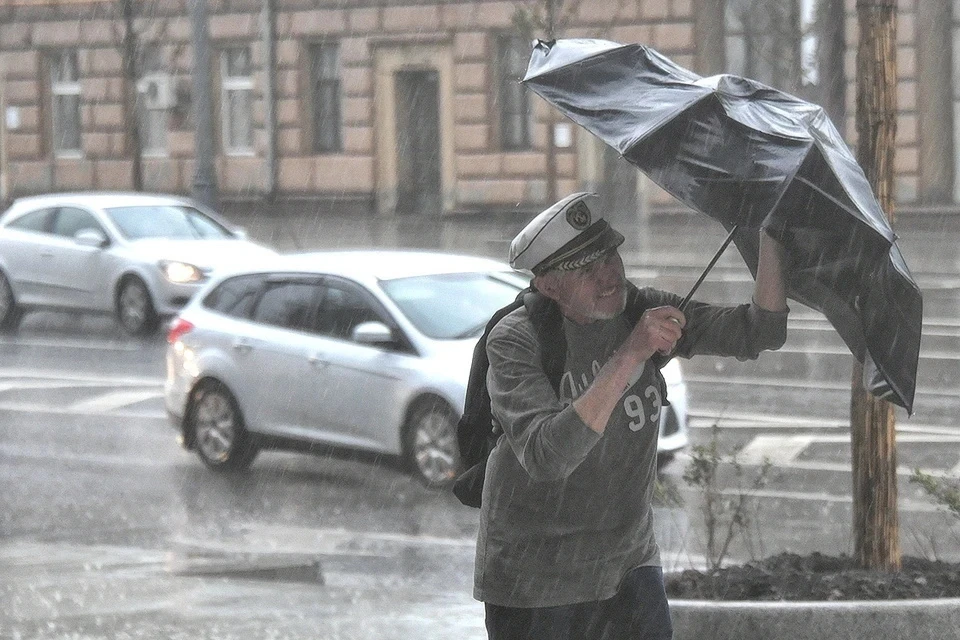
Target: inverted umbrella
750,156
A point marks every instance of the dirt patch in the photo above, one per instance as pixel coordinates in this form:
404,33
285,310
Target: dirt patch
817,577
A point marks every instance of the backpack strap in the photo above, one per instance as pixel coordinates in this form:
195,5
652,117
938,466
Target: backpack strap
474,444
548,323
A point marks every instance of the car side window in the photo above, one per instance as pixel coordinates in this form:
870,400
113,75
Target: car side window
286,304
342,308
235,296
69,221
36,221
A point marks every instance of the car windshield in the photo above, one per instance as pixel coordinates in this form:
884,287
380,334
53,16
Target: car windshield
167,221
453,306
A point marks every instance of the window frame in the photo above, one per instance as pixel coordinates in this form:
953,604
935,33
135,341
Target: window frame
279,280
97,225
61,89
258,283
317,112
230,84
757,51
401,342
46,212
151,67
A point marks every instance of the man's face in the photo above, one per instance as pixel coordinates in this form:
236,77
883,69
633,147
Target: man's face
596,291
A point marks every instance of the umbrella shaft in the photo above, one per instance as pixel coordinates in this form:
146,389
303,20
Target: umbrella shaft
716,256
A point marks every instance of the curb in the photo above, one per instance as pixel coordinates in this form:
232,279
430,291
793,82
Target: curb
937,619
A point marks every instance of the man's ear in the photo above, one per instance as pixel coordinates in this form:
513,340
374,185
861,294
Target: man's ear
548,284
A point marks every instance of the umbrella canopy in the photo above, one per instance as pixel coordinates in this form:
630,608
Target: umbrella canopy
750,156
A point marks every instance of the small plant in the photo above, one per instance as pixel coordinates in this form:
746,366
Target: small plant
726,513
666,493
945,491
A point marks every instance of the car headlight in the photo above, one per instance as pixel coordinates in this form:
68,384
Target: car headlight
180,272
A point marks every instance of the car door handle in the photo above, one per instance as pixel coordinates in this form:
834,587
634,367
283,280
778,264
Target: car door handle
46,254
316,361
242,346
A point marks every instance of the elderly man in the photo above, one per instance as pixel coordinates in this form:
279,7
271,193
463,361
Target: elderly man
566,547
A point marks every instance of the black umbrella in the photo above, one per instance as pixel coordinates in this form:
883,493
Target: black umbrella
750,156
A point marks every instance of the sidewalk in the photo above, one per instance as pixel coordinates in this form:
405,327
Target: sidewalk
929,245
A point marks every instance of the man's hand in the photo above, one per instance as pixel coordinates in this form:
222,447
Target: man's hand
658,331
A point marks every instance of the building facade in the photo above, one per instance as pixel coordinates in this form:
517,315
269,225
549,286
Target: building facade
400,107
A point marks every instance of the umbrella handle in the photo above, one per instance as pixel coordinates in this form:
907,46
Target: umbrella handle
716,256
661,359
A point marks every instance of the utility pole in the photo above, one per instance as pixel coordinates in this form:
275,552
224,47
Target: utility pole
131,93
268,20
876,522
205,177
551,142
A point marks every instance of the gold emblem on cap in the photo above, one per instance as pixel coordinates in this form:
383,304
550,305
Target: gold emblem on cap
578,216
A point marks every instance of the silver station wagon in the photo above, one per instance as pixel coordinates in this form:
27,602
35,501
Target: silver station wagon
137,256
353,350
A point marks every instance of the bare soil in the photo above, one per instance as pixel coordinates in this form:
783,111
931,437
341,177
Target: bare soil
817,577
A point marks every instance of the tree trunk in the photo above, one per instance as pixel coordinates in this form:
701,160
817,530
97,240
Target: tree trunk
873,443
131,94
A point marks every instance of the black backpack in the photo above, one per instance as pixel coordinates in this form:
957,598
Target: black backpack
477,433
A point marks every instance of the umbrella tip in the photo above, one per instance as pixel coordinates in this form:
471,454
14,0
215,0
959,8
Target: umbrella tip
546,44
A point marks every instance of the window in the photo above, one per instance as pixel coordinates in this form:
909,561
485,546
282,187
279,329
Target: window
65,93
70,221
236,93
166,221
453,306
38,221
151,118
772,41
512,98
286,304
325,97
235,297
343,308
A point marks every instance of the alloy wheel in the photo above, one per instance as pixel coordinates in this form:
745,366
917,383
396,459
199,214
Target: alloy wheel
215,425
435,452
134,308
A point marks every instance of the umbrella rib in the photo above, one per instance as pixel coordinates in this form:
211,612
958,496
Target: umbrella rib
826,195
569,64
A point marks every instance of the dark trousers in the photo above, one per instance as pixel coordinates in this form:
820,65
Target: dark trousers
638,611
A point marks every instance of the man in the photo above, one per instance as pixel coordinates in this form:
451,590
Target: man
566,548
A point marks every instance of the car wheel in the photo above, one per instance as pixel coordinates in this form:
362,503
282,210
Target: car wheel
219,436
135,311
10,312
431,443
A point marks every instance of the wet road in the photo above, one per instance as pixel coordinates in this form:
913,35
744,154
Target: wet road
109,530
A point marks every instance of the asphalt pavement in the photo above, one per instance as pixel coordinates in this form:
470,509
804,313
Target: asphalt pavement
277,577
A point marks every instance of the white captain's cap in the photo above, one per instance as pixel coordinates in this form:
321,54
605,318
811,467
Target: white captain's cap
568,235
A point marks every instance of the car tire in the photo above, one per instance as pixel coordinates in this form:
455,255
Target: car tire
430,443
10,311
217,429
135,310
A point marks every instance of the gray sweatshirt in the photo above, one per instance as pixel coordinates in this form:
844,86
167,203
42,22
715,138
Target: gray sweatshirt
566,511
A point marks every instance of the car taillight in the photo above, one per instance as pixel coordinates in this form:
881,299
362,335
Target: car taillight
178,328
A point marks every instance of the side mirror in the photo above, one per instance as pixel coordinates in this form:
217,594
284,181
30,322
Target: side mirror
91,238
372,333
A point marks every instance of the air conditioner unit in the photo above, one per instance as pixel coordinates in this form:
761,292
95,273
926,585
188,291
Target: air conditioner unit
158,92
